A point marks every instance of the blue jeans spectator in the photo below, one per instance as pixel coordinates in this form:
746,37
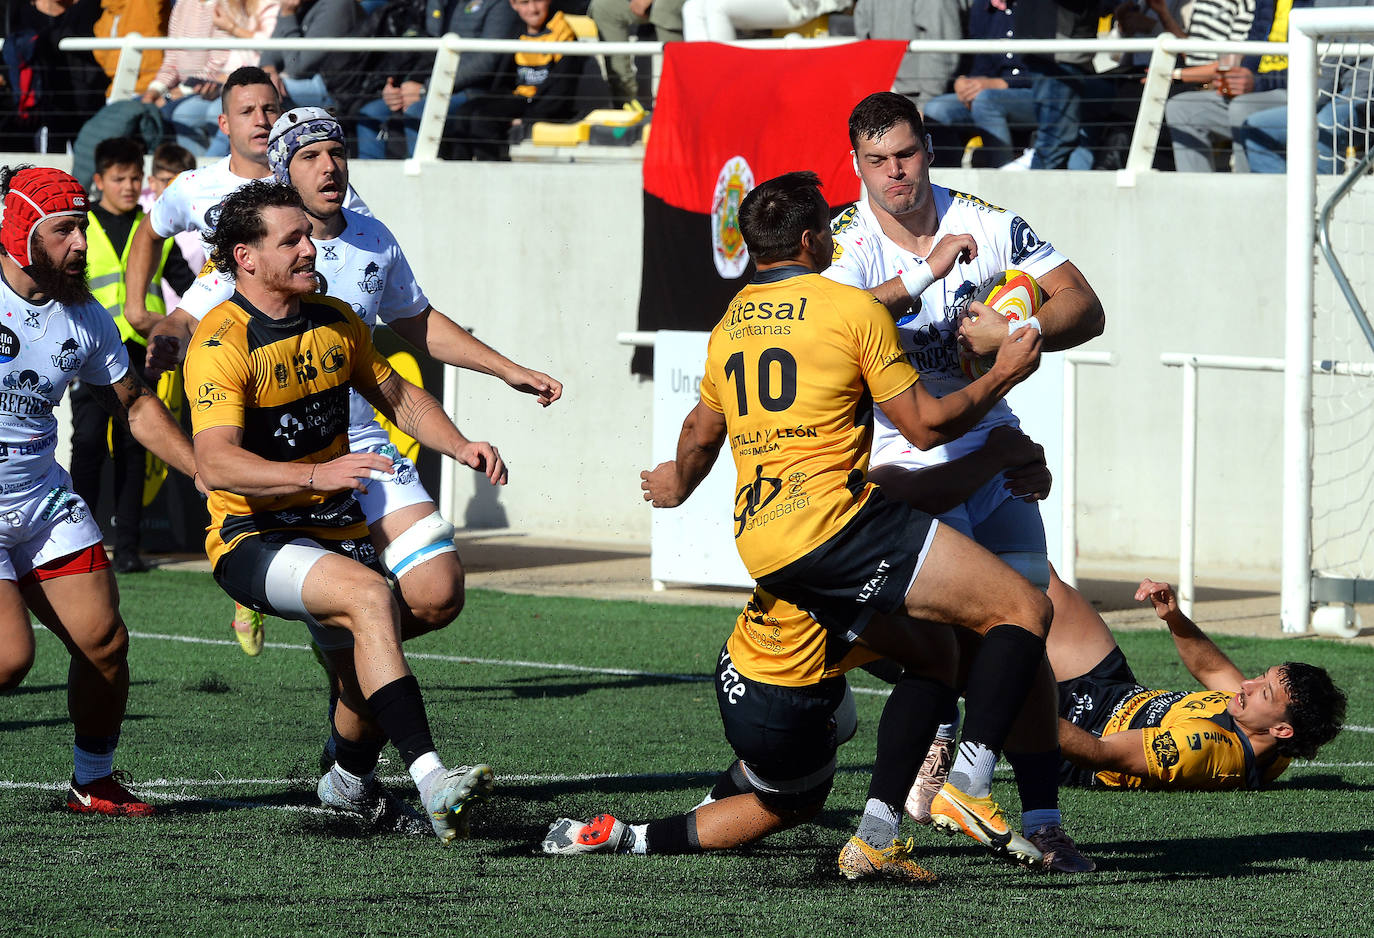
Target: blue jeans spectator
375,119
1265,137
195,122
307,92
1063,95
992,114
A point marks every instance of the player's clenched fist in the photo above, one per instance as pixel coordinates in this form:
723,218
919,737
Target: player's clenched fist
660,485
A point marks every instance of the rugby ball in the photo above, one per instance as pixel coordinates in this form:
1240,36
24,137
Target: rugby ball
1016,297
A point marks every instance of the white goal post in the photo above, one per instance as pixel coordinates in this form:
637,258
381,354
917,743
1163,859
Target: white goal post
1328,500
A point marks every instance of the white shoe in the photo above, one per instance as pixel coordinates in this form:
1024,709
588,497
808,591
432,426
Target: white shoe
381,809
1022,162
451,795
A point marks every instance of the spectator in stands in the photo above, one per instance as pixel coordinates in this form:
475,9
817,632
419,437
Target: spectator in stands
721,20
531,86
1343,125
122,17
616,21
188,86
403,96
1197,119
990,100
51,92
1063,84
119,181
922,76
296,73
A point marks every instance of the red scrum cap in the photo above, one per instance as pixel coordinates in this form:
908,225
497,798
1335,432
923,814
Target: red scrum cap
34,194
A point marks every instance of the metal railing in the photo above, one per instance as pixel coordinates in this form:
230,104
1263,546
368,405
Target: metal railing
1163,51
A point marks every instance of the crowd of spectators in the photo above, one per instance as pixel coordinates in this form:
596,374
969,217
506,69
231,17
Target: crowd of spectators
1076,111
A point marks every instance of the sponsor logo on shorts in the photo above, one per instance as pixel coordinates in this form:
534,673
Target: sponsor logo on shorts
876,582
1082,704
731,684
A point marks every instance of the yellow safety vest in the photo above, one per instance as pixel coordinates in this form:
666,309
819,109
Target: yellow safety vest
105,273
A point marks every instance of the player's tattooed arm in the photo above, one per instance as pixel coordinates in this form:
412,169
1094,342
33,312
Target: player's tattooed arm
134,404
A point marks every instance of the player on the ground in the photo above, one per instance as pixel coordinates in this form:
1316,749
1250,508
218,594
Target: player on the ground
785,701
926,252
1238,733
52,562
272,369
791,370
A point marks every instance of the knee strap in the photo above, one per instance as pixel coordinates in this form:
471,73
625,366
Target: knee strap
426,538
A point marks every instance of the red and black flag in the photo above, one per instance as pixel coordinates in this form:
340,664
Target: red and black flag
725,118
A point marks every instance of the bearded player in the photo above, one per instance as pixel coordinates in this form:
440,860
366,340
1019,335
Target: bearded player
925,251
360,262
52,562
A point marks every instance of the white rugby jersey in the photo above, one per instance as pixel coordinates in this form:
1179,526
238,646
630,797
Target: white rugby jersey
364,267
865,257
43,348
192,201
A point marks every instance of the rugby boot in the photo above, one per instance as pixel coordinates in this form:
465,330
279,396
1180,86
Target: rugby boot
247,626
450,797
602,834
378,807
107,796
955,812
1059,853
860,861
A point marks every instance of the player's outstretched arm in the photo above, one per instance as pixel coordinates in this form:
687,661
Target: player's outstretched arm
1200,655
1115,752
138,274
928,421
937,489
167,342
225,465
133,403
450,343
418,414
669,484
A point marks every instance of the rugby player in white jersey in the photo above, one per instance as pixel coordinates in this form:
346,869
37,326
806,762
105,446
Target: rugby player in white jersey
52,563
925,252
360,263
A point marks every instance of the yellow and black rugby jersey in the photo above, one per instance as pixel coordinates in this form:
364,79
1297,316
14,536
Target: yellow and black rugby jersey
1191,743
774,642
285,383
795,366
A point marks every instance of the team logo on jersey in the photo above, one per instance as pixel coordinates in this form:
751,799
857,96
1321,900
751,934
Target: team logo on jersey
281,373
66,358
9,345
305,368
1165,750
212,215
332,360
371,282
727,242
1024,242
31,318
288,431
331,251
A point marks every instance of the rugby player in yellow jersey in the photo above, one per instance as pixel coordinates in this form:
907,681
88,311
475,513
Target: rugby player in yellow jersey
1238,733
793,370
270,371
